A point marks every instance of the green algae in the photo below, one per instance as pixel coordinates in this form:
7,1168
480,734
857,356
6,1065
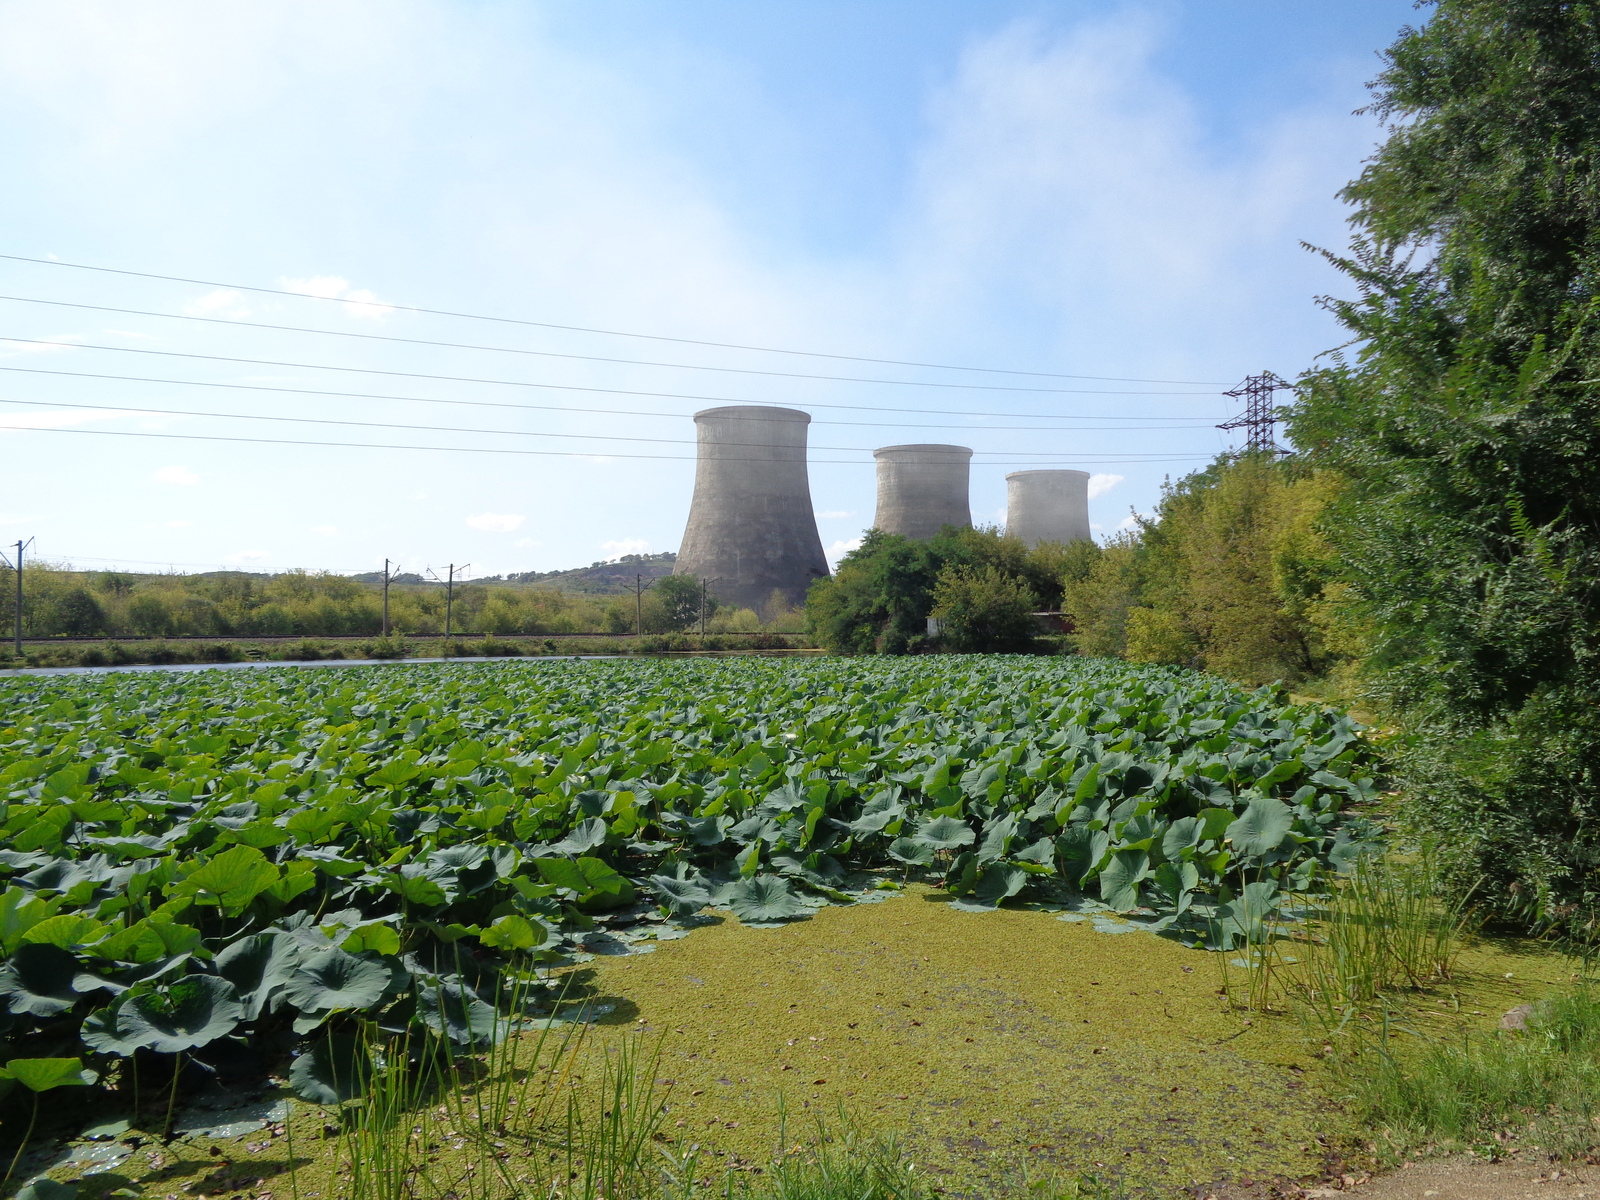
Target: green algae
989,1040
999,1045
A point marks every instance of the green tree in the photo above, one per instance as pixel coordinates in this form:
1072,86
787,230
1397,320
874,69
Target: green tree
984,610
878,600
679,597
1465,422
79,614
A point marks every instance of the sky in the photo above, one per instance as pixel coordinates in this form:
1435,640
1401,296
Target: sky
1103,204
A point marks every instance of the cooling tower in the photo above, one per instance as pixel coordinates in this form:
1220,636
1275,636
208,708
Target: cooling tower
921,489
751,529
1047,506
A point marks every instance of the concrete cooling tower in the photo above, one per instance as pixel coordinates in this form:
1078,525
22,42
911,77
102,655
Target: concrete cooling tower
921,489
751,529
1047,506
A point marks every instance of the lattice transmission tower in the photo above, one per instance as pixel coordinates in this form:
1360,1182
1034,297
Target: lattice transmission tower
1257,418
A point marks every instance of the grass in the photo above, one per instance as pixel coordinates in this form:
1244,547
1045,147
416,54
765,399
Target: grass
1491,1093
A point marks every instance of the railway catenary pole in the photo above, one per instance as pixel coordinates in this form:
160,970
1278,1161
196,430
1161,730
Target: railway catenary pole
22,546
386,597
449,590
638,606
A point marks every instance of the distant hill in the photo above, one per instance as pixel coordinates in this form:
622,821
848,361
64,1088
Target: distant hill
611,578
602,578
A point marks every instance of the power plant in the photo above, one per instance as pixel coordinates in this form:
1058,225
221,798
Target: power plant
1047,506
751,528
921,489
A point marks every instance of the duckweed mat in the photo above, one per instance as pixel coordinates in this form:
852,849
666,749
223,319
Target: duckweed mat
1001,1046
994,1042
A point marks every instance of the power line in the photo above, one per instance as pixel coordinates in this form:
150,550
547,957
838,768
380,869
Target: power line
1197,422
435,312
206,437
138,410
268,362
630,362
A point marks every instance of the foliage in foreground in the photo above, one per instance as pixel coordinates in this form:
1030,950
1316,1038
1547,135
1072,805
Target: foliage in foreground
1466,424
208,864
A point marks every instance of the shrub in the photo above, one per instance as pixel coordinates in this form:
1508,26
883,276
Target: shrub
982,610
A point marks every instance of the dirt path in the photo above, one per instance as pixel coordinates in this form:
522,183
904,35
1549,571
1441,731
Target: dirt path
1474,1179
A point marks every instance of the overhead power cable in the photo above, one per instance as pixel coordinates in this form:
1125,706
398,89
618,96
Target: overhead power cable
522,383
1194,422
436,312
209,437
630,362
140,409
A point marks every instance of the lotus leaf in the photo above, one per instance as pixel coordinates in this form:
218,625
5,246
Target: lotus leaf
337,981
1264,825
169,1020
46,1074
235,877
945,833
680,897
1119,881
763,899
458,1013
335,1069
38,979
259,967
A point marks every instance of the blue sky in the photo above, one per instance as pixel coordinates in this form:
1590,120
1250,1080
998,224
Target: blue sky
1084,189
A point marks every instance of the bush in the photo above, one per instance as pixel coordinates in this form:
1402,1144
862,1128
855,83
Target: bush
982,610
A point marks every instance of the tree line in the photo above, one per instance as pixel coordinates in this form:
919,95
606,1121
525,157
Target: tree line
59,602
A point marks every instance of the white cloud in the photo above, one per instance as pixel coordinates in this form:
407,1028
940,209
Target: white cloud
324,287
246,556
495,522
625,546
834,515
180,524
839,549
51,344
526,543
223,302
23,421
180,476
361,302
1099,485
325,530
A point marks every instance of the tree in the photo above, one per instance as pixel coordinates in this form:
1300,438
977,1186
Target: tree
1466,422
79,614
983,610
877,601
679,597
880,598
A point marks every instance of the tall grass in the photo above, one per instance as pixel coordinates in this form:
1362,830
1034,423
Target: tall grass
1484,1091
1383,931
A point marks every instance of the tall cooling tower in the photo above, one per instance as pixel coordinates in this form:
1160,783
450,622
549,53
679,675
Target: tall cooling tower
751,529
1047,506
921,489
